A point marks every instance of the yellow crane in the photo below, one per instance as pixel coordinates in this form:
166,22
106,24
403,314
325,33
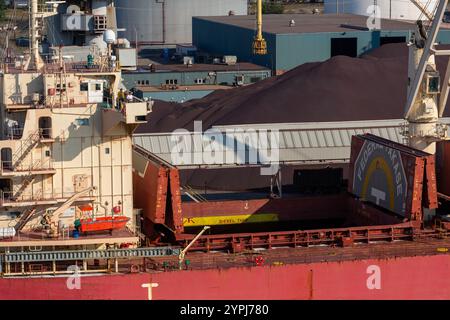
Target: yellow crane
259,43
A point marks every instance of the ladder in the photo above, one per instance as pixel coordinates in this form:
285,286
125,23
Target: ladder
25,148
24,219
25,183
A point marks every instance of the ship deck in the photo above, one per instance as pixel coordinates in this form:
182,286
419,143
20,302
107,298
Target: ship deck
39,239
301,255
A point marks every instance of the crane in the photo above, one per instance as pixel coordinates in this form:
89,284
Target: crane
51,218
183,252
423,9
426,99
259,43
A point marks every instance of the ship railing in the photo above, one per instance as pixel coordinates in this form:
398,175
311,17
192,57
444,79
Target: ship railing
12,197
14,133
78,67
38,165
25,147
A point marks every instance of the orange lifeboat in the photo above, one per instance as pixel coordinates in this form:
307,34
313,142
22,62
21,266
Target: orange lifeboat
103,223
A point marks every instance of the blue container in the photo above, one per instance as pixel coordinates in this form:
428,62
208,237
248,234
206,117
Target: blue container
76,234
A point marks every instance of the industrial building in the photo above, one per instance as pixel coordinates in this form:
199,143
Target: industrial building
168,22
295,39
179,82
386,9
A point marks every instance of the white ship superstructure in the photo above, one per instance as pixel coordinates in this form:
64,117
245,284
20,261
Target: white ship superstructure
65,143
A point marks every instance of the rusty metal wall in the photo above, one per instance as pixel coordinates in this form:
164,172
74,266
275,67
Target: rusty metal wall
150,186
443,167
300,208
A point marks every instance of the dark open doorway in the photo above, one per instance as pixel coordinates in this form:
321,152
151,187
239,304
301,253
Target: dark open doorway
344,47
387,40
45,127
6,159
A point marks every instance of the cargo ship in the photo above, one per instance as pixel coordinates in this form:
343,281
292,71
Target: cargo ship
87,214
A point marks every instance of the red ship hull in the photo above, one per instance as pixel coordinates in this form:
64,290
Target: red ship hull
103,224
420,277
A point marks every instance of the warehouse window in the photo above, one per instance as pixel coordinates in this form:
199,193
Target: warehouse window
344,47
171,81
199,81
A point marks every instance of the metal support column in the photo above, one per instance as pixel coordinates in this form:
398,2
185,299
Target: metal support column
275,181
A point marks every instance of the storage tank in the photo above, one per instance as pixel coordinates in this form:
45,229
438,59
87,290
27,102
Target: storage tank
389,9
169,21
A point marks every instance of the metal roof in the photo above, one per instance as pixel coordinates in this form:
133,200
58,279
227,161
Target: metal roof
298,143
308,23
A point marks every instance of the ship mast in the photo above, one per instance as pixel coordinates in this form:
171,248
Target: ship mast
426,101
35,61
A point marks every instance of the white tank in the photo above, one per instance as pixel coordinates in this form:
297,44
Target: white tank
7,232
389,9
169,21
109,36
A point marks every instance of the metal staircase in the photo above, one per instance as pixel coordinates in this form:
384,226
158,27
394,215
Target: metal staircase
25,149
26,216
25,183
